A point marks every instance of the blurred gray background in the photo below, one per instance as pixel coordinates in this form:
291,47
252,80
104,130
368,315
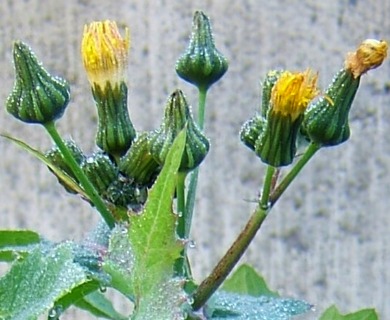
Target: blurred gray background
327,240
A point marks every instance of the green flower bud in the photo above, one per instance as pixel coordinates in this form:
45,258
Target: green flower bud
269,82
115,132
100,171
202,64
177,117
37,96
105,58
55,156
138,163
273,134
251,130
326,122
125,193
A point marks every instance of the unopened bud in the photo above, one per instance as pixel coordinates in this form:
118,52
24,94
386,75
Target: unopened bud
202,64
37,96
100,171
54,156
176,118
138,163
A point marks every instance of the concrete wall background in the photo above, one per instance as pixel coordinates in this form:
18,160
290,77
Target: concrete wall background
328,240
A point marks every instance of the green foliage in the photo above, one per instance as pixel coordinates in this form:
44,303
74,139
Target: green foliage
247,281
139,249
333,314
33,284
141,259
17,243
235,306
61,174
98,305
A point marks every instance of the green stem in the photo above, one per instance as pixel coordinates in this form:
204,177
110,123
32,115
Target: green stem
182,266
202,94
84,181
309,153
264,198
237,249
181,204
191,194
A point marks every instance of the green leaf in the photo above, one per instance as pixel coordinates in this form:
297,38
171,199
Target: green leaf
98,305
17,243
152,234
333,314
67,181
141,257
225,305
245,280
77,294
33,285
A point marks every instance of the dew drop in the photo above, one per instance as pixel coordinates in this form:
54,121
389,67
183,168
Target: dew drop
102,289
191,244
54,313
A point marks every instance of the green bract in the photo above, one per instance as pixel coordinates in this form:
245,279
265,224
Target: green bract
37,96
202,64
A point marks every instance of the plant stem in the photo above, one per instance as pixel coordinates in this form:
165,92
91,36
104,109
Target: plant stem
286,181
237,249
84,181
190,204
202,94
181,203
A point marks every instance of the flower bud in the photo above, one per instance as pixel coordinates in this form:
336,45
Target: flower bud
326,121
202,64
55,156
269,82
138,163
37,96
273,134
251,130
100,171
105,55
177,117
125,193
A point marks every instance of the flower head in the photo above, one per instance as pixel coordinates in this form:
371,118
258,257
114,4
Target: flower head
292,93
369,55
105,53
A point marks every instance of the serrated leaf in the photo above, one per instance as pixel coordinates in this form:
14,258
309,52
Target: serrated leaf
152,234
225,305
59,173
33,285
245,280
17,243
98,305
332,313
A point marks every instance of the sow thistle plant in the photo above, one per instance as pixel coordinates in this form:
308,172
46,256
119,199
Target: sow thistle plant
143,184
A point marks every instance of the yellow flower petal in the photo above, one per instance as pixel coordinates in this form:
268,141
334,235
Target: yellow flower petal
369,55
105,53
292,93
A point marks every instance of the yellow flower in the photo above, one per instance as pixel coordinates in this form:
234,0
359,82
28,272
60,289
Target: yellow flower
369,55
105,53
292,93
